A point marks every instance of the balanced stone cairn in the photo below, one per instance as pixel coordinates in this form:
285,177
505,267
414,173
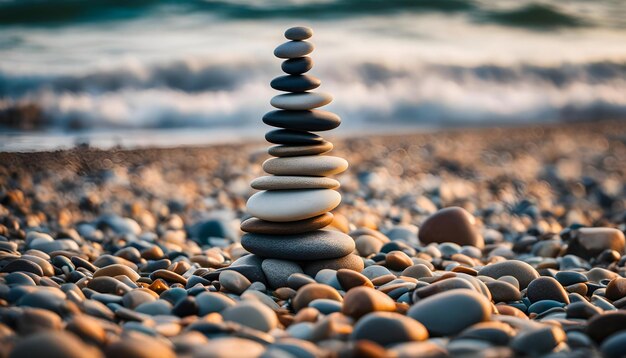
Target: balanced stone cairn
293,208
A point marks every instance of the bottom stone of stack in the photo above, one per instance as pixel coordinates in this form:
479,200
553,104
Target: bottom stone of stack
277,271
310,246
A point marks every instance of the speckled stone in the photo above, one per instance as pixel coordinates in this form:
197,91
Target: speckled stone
292,205
259,226
277,272
297,66
299,150
317,165
295,83
314,120
301,101
314,245
290,182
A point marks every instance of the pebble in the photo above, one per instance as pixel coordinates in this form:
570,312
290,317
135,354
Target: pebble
546,288
350,279
590,242
298,33
259,226
295,83
398,260
117,270
233,281
319,165
387,328
293,49
252,314
53,344
21,265
314,245
503,291
278,272
223,347
600,327
286,182
616,289
613,346
523,272
360,301
451,224
283,151
292,137
292,205
297,66
448,313
313,120
351,262
538,341
313,291
210,302
301,101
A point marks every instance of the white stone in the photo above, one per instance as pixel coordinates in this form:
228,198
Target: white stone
292,205
301,101
311,165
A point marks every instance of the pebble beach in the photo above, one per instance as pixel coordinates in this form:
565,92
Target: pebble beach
492,242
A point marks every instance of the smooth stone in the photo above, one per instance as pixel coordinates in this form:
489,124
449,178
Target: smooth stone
137,297
301,101
616,289
600,327
314,120
88,328
117,270
298,33
613,347
497,333
448,313
368,245
282,151
56,245
326,306
568,278
318,165
278,272
349,279
224,347
252,314
426,349
292,137
53,344
328,277
139,344
295,83
168,276
453,224
314,245
155,308
544,305
523,272
21,265
535,342
286,182
298,280
397,260
259,226
313,291
502,291
292,205
293,49
350,262
34,320
360,301
234,282
297,66
546,288
209,302
387,328
444,285
374,271
590,242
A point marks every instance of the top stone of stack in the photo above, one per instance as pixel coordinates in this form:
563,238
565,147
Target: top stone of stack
298,33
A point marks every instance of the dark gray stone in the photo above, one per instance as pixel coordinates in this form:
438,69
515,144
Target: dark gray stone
313,120
286,136
298,33
297,66
295,83
314,245
293,49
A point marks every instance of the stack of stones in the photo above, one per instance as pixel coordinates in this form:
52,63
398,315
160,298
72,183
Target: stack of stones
293,208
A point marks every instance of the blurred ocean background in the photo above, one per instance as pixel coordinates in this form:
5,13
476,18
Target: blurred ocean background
166,73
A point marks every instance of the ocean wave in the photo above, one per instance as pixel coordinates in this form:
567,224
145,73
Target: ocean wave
531,14
367,93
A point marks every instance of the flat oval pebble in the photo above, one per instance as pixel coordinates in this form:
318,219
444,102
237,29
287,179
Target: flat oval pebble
386,328
259,226
360,301
314,245
523,272
448,313
314,291
538,341
451,224
293,49
295,83
51,344
252,314
299,150
21,265
301,101
234,282
298,33
291,137
292,205
290,182
546,288
351,279
314,120
318,165
297,66
117,270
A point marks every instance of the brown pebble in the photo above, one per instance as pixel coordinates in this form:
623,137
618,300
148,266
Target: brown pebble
312,292
35,320
360,301
349,279
381,280
397,260
117,270
616,289
53,344
168,276
307,314
453,224
259,226
417,271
